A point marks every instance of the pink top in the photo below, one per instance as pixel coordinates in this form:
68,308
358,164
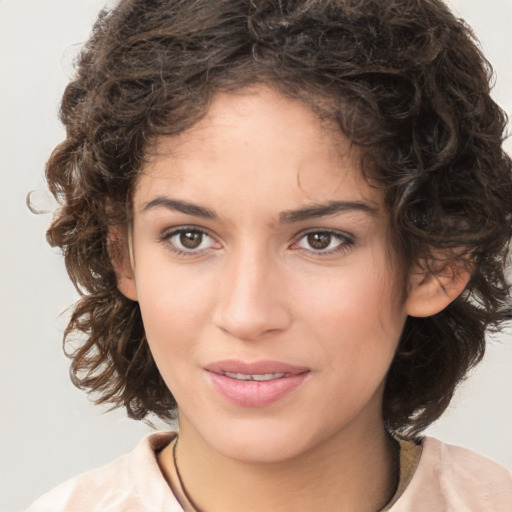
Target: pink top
447,479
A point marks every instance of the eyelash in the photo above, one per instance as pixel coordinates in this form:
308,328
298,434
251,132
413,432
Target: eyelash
167,236
345,241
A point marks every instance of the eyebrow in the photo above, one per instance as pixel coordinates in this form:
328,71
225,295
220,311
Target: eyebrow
180,206
286,217
324,210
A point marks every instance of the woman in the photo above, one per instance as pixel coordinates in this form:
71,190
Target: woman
290,223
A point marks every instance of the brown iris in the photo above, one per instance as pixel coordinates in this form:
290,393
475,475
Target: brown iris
319,240
191,239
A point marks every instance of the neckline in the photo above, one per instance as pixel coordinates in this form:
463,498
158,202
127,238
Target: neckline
409,457
410,454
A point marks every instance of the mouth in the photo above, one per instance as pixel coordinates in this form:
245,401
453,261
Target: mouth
255,384
255,376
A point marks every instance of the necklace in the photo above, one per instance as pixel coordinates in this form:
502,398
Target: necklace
180,480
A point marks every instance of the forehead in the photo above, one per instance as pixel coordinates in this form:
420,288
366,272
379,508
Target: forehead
252,145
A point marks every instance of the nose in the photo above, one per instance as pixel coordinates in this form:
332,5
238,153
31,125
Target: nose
251,297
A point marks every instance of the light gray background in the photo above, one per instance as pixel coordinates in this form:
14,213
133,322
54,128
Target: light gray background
49,430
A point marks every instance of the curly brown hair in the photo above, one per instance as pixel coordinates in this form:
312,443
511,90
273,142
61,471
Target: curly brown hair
404,79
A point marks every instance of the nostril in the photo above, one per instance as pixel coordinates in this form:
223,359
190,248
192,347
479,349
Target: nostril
251,322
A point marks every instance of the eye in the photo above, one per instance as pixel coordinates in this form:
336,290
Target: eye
324,242
188,240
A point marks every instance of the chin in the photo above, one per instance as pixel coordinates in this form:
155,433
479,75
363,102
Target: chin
262,441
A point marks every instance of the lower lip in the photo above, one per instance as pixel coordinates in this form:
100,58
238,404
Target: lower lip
250,393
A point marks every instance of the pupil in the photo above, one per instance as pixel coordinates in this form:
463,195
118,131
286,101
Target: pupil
191,239
319,240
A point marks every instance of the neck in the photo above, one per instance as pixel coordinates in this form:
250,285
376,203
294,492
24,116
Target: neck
354,471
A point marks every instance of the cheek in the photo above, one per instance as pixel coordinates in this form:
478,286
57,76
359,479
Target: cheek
357,318
362,299
171,313
174,307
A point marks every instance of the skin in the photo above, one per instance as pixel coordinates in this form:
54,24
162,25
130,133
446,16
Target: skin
255,288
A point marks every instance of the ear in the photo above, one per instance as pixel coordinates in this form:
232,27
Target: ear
121,256
430,293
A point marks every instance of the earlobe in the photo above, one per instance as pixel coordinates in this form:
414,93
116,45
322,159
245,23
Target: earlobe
431,293
119,249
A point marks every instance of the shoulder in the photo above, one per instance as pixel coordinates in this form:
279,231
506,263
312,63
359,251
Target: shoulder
130,483
456,479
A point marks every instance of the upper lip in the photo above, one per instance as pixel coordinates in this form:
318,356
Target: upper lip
254,368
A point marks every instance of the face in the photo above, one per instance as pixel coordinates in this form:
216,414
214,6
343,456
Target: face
266,283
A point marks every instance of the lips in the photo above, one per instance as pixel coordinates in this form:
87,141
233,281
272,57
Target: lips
255,384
